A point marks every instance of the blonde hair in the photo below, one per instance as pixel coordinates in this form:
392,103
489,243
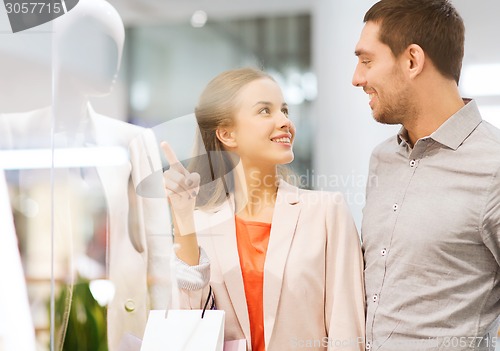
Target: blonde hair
216,107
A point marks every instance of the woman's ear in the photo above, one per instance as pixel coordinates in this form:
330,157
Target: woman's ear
226,136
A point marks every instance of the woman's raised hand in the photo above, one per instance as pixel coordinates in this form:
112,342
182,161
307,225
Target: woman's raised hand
181,187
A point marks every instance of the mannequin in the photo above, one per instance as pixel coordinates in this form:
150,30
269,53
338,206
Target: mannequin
87,50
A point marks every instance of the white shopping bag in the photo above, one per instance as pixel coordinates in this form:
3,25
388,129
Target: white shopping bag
184,330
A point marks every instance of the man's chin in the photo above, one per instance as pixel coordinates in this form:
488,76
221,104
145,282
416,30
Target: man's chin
384,119
377,117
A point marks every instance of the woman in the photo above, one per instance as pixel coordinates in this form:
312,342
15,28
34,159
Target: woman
284,264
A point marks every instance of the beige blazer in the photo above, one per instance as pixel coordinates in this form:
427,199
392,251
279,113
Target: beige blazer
139,231
313,273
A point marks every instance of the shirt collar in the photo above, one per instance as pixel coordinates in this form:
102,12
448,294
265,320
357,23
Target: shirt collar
455,129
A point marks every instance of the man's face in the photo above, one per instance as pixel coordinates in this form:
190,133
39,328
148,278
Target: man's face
381,76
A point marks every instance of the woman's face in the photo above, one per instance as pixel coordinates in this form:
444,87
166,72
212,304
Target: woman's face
262,132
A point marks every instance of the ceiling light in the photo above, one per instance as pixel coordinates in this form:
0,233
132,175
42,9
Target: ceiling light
199,18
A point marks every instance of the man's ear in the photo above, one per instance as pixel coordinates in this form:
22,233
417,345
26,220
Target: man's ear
226,136
415,60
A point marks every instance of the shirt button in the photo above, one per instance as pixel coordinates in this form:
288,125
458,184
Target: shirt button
375,298
413,163
395,207
368,345
383,251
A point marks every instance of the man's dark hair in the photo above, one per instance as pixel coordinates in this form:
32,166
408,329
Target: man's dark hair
434,25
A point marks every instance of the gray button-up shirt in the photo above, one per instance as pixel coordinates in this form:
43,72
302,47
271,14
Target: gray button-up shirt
431,239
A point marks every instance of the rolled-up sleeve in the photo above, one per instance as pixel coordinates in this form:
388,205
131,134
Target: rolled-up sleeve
192,281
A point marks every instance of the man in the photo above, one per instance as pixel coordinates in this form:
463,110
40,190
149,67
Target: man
431,224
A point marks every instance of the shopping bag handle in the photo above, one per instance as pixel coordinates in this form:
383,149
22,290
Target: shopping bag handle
210,295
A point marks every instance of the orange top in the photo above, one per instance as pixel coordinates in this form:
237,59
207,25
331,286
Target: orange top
252,238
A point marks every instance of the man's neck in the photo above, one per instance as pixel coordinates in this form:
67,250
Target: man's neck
436,107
